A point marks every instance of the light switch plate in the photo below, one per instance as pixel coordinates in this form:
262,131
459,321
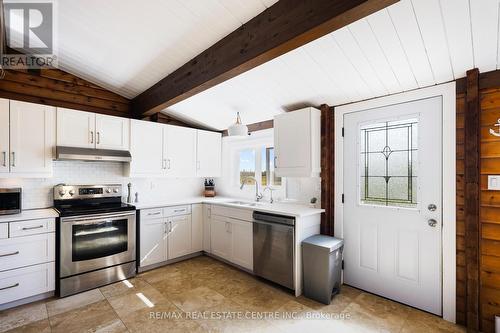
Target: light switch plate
494,182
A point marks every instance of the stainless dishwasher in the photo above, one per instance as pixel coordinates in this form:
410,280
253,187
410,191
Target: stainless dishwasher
273,247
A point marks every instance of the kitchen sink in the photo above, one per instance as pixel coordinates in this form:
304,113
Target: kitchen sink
244,203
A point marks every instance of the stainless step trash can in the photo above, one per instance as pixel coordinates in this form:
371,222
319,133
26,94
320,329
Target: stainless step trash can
322,266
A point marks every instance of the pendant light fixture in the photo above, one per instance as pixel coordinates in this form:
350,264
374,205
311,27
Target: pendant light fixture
238,129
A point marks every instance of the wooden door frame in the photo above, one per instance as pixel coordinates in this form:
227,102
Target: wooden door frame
448,93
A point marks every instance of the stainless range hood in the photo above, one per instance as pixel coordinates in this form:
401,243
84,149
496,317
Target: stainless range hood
91,154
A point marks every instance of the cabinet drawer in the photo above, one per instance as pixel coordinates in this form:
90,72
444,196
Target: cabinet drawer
4,230
28,250
177,210
31,227
235,213
25,282
151,213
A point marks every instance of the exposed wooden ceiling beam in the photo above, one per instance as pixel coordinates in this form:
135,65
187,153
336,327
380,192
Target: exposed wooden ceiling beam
285,26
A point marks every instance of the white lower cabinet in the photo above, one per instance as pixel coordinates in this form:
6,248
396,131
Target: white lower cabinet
179,237
153,247
207,217
232,239
197,227
26,260
167,233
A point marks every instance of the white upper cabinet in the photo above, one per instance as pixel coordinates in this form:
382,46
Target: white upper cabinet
297,143
209,156
4,137
112,132
146,148
32,139
90,130
180,151
75,128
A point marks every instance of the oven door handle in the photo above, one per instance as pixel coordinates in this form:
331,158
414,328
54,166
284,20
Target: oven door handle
96,218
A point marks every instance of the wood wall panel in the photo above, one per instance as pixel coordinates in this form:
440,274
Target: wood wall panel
489,211
57,88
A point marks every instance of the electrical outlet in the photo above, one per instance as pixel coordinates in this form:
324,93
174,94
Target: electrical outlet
494,182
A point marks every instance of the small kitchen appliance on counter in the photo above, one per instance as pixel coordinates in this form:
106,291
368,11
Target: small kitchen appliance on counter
96,236
10,200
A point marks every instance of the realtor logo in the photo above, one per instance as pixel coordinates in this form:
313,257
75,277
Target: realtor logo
29,32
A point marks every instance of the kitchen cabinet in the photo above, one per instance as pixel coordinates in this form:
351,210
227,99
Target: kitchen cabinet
197,234
153,243
232,238
91,130
209,154
4,137
29,140
146,149
180,151
179,236
220,237
297,143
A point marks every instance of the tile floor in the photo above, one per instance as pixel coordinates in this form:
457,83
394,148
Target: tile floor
204,295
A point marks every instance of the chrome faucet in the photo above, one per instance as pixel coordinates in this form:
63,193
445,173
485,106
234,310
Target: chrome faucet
258,195
271,200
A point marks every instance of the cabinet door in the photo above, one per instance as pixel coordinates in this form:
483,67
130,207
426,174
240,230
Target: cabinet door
220,238
153,242
146,149
179,238
292,142
242,240
32,138
4,136
209,145
112,132
180,144
197,227
207,217
75,128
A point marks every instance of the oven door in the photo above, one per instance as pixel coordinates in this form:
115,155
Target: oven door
92,242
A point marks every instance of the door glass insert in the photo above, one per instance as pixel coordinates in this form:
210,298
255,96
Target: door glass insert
99,240
388,163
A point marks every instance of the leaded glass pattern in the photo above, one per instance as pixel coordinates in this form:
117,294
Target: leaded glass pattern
388,163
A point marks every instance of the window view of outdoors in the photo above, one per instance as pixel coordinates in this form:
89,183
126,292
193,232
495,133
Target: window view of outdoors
247,160
388,163
247,165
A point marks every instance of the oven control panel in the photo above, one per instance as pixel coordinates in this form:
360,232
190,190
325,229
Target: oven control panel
63,192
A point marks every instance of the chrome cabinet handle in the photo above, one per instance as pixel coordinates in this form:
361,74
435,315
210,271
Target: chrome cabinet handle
156,213
98,138
13,286
91,136
13,158
4,158
9,254
179,210
164,164
168,163
31,228
275,161
169,227
432,222
432,207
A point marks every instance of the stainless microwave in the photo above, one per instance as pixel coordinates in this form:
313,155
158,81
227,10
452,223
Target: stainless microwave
10,201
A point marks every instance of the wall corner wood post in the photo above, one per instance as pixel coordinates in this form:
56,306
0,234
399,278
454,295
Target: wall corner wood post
327,169
472,197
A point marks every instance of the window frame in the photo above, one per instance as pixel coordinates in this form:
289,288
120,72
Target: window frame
257,148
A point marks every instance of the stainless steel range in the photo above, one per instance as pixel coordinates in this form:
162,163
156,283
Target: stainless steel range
95,237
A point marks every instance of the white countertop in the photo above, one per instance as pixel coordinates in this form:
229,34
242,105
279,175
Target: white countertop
290,209
30,214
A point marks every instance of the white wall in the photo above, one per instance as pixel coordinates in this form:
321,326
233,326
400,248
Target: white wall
297,189
37,193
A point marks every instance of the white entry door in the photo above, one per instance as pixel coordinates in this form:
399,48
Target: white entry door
393,202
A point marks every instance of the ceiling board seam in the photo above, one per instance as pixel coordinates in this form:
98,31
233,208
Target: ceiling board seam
231,13
404,50
446,39
385,55
423,42
352,64
472,36
368,61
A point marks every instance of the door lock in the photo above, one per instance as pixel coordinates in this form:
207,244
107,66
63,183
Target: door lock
432,207
432,222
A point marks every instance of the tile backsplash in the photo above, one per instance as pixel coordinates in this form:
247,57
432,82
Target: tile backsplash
37,192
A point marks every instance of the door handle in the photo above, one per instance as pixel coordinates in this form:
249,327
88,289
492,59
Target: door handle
432,222
91,136
13,158
4,158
